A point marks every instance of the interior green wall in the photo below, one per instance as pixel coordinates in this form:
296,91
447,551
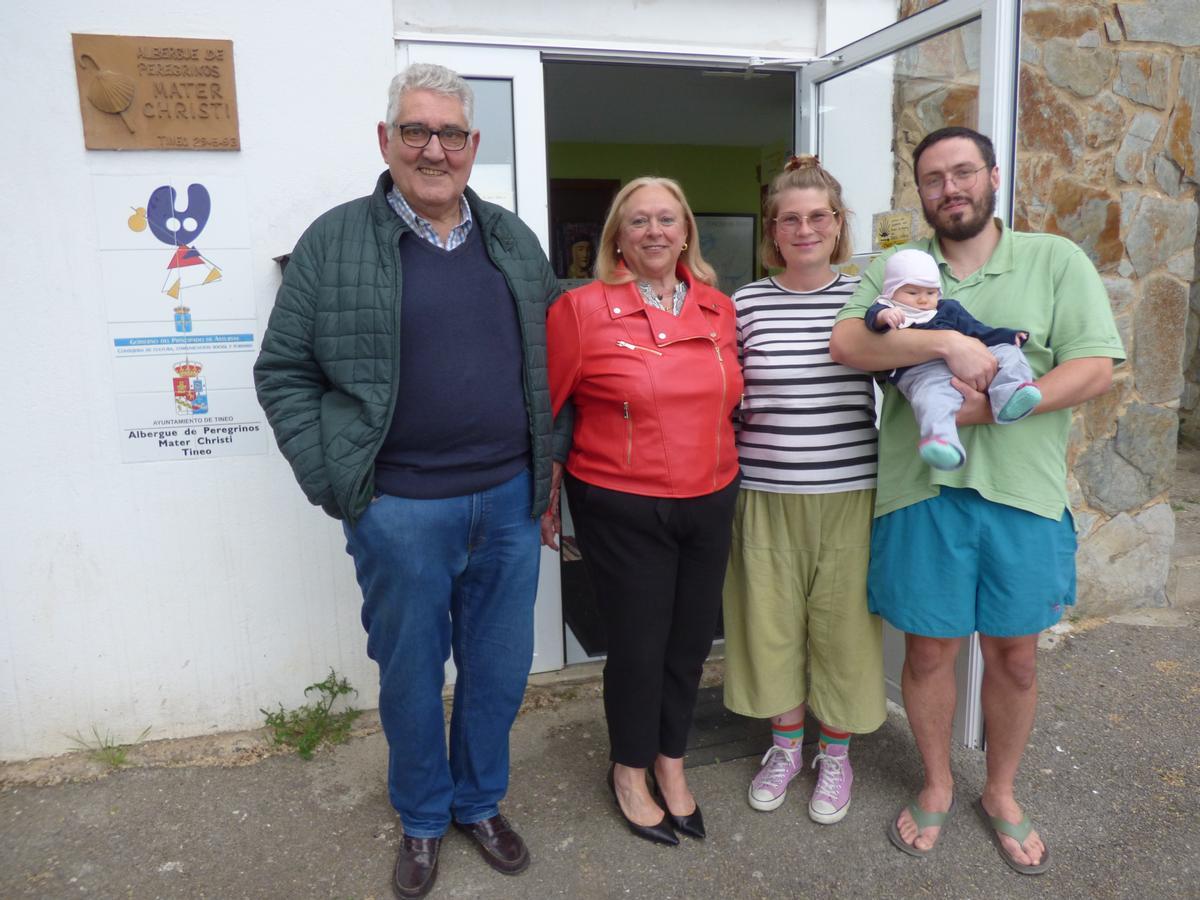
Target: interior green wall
715,179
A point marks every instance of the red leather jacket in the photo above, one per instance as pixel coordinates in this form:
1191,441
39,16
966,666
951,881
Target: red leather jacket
653,394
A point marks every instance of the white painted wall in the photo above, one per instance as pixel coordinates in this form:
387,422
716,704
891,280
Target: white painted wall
777,28
846,21
104,619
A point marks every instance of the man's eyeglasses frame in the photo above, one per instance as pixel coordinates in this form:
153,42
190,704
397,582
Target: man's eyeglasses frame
449,138
931,190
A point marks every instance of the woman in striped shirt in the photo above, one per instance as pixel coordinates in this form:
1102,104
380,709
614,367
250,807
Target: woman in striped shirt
797,629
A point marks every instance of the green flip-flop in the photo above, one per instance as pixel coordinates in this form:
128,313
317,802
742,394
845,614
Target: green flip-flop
1018,832
924,820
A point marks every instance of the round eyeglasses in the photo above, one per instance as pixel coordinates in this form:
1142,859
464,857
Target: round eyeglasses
818,220
414,134
933,185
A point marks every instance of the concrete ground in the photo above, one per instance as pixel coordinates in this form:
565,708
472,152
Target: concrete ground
1111,777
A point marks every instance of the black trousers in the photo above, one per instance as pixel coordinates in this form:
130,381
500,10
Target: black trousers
658,567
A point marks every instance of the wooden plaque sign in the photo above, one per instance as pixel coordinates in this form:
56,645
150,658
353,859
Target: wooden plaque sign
156,93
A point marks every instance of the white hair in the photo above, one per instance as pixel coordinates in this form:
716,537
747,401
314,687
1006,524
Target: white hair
429,77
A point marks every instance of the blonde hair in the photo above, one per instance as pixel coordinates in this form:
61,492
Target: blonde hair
804,172
608,267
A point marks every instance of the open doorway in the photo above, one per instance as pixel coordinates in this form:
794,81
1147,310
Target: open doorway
721,133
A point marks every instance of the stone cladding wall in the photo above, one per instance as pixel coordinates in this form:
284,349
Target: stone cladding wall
1108,154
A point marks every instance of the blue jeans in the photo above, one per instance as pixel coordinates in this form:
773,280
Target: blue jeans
460,575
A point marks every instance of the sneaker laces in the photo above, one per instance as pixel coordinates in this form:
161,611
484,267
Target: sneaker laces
778,765
830,775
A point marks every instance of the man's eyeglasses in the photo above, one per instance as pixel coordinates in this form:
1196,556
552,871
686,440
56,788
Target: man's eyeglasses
933,186
820,220
417,135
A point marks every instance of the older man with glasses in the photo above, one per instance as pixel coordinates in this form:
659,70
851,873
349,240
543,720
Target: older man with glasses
404,374
989,547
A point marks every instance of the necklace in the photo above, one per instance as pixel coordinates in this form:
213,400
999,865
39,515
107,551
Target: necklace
652,299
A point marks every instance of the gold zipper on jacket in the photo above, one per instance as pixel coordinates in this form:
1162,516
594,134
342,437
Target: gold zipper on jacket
720,410
628,437
629,346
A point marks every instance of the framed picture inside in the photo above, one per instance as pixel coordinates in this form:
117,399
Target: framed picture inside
577,210
727,243
576,256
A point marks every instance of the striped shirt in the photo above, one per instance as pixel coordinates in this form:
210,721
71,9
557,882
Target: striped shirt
421,226
807,423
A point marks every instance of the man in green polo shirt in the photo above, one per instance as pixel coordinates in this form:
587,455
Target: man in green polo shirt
989,547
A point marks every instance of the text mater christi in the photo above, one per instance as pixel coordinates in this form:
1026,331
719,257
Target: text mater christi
156,93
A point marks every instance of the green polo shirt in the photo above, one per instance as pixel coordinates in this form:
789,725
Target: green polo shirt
1040,283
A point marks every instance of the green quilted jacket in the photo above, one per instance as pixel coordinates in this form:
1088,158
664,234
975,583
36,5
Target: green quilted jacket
330,360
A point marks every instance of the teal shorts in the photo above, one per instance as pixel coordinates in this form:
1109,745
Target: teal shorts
957,563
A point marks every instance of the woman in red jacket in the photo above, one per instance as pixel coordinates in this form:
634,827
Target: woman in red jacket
647,355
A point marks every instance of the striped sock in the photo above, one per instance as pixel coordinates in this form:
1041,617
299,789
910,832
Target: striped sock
788,736
838,741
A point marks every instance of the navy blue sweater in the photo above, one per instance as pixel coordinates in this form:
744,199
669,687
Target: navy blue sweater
460,423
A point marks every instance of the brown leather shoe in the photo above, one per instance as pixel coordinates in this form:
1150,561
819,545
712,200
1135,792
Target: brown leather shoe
498,844
416,866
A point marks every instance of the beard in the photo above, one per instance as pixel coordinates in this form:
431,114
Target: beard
963,225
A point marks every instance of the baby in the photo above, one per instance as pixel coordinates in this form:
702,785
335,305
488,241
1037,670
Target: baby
910,299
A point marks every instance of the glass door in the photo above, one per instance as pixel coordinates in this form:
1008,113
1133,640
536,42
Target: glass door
510,170
863,109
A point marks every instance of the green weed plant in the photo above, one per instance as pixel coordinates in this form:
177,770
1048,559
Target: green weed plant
312,724
105,748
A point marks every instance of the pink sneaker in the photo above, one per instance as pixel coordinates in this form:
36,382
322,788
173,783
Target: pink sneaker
769,787
831,800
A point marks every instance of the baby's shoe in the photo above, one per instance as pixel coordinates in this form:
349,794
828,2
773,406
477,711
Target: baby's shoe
941,454
1022,402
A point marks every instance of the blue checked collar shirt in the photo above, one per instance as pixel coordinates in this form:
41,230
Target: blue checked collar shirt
421,226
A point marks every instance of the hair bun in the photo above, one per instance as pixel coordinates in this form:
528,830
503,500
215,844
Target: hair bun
804,161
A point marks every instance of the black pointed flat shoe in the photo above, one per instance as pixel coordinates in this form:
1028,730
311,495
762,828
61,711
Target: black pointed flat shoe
659,833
